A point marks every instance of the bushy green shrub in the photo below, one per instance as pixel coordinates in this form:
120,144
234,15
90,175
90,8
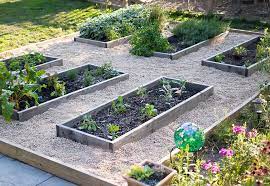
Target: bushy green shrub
147,40
194,31
114,25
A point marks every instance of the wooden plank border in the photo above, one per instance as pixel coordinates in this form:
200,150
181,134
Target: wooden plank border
109,44
35,110
48,164
65,130
245,71
193,48
233,114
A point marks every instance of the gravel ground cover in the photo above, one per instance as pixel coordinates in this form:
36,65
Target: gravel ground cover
38,133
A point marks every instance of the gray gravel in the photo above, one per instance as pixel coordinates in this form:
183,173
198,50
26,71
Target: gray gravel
38,133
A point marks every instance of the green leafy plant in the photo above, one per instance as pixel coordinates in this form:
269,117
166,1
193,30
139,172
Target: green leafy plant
88,78
17,90
142,92
147,40
149,111
113,129
239,52
263,47
106,71
168,91
72,74
58,87
119,23
219,58
193,31
88,124
140,172
119,106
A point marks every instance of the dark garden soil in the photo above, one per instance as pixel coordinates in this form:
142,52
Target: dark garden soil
154,179
177,45
71,84
133,117
245,60
21,61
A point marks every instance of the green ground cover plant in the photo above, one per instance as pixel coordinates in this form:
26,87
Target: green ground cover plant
119,23
27,21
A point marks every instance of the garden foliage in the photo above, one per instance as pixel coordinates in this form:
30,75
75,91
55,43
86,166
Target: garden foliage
119,23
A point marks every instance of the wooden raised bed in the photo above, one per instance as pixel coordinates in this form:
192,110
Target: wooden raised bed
193,48
242,70
164,182
66,129
233,114
35,110
51,165
50,62
108,44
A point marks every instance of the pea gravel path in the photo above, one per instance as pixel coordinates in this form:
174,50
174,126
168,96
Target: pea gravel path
38,133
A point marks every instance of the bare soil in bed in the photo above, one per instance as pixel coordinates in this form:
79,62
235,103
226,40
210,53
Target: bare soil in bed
245,60
39,135
133,116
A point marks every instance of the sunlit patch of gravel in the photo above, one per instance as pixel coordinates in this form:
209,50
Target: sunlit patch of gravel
39,134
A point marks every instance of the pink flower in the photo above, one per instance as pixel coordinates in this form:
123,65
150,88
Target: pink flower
215,168
226,152
207,165
252,134
238,129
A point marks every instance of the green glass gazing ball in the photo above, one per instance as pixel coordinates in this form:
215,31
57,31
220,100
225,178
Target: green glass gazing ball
189,135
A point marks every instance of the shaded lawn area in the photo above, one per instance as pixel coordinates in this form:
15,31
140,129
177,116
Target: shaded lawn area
29,21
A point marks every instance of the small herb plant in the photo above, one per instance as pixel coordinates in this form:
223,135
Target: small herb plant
141,92
88,124
240,51
88,78
140,172
72,74
119,106
149,111
219,58
106,71
169,92
58,87
113,129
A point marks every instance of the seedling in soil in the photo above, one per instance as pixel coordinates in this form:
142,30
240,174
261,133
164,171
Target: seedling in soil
88,124
169,92
72,74
88,78
58,87
239,52
142,92
219,58
149,111
119,106
140,172
247,63
113,129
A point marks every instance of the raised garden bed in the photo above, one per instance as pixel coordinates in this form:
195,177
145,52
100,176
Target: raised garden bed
40,61
181,50
159,175
75,84
134,123
208,131
244,64
108,44
237,148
